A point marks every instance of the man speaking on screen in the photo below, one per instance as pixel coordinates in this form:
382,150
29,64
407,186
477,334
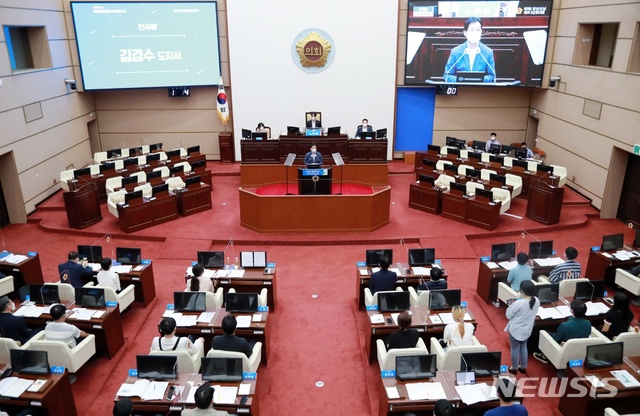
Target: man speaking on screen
472,56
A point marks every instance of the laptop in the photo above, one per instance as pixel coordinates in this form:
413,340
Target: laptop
470,76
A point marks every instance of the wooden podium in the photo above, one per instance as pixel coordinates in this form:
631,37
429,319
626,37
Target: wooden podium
314,181
226,147
545,202
83,206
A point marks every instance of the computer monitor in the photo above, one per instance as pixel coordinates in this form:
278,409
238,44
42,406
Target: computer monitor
93,254
450,141
506,149
130,196
107,166
128,255
451,168
520,163
433,148
428,162
545,168
241,302
171,154
481,363
155,147
603,355
368,135
190,301
193,149
29,361
453,151
373,256
503,252
81,172
473,173
258,135
427,179
540,249
458,187
478,145
113,153
129,180
159,189
381,134
211,259
154,174
192,180
246,134
547,292
521,153
133,151
45,294
485,193
174,170
153,157
221,369
292,131
199,165
92,297
157,367
461,144
494,149
593,289
415,367
474,155
502,179
333,131
393,301
445,299
421,256
612,242
130,162
496,159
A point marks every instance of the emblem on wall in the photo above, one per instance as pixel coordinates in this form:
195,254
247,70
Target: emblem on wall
313,50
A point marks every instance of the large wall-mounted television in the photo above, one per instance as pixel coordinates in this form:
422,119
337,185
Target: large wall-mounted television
147,44
510,40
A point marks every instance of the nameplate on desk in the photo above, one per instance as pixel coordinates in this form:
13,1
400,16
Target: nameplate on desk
206,331
57,369
271,265
420,329
249,375
170,306
32,253
553,252
504,368
27,298
15,269
135,278
485,259
266,282
133,372
463,304
224,282
145,262
193,263
437,261
97,326
35,403
112,303
575,363
176,408
263,308
388,373
243,410
372,307
595,248
361,264
258,332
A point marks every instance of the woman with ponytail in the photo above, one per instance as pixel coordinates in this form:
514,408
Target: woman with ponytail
459,332
521,315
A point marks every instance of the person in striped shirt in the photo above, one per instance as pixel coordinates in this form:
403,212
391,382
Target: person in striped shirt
570,269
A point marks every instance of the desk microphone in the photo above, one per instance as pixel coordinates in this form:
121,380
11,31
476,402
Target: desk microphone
490,67
466,52
538,241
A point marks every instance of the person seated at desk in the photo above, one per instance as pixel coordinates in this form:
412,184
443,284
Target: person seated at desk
313,123
635,270
383,279
363,127
59,330
107,277
575,327
570,269
460,332
472,55
204,403
13,326
507,393
229,341
73,270
443,408
520,273
618,318
493,139
530,153
405,337
169,342
313,157
204,283
436,282
260,127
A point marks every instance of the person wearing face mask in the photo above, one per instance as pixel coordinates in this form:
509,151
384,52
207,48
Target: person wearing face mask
13,326
493,139
363,127
472,55
313,157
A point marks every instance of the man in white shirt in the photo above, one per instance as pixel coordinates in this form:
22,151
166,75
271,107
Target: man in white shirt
169,342
59,330
107,277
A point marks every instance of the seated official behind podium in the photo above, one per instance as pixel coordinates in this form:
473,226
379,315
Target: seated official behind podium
363,127
260,127
313,122
436,282
313,157
405,337
230,341
383,279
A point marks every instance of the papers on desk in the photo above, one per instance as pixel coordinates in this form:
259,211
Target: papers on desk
596,308
492,265
30,311
392,392
221,273
363,272
206,317
594,380
244,321
622,255
145,389
549,262
245,389
447,318
225,394
376,318
425,391
14,258
138,268
184,320
550,313
394,316
508,264
419,270
236,273
257,317
98,314
95,266
435,319
476,393
564,310
375,269
14,386
625,378
121,269
82,314
208,273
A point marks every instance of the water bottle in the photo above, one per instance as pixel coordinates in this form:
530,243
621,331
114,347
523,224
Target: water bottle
227,264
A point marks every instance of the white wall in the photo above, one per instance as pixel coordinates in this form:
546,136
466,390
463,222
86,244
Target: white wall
268,87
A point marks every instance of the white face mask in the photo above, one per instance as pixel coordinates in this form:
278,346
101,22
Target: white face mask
313,150
473,37
364,125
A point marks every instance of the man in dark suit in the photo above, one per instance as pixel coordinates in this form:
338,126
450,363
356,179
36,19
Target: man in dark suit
313,157
363,127
383,279
13,326
229,341
436,282
314,123
73,270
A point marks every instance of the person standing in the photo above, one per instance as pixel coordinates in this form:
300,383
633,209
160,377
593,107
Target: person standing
383,279
74,270
521,315
313,157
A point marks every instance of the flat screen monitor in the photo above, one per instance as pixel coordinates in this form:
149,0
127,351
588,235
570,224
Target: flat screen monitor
172,154
415,367
29,361
258,135
461,144
211,259
198,165
482,363
135,44
130,196
421,256
128,255
478,145
450,141
433,148
45,294
506,149
174,170
293,130
427,179
547,292
368,135
153,157
130,162
503,252
381,134
193,149
612,242
496,159
473,173
107,166
246,134
135,151
373,256
453,151
91,297
129,180
603,355
221,369
192,180
495,177
545,168
485,193
93,254
241,302
155,147
494,149
540,249
393,301
458,187
333,131
78,173
159,189
445,299
593,289
451,168
154,174
190,301
157,367
430,163
520,163
113,153
521,153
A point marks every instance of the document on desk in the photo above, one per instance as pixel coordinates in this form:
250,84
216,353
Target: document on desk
14,258
425,391
396,270
363,272
476,393
221,273
551,261
244,321
549,313
376,318
82,314
209,273
206,317
625,378
596,308
492,265
186,320
375,269
392,392
508,264
95,266
99,314
564,310
30,311
435,319
121,268
14,386
622,255
447,318
236,273
419,270
245,389
225,394
394,316
145,389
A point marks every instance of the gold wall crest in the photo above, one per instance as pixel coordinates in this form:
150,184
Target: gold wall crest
313,50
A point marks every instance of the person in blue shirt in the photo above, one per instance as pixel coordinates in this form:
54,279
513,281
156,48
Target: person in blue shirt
471,55
507,393
521,315
383,279
520,273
